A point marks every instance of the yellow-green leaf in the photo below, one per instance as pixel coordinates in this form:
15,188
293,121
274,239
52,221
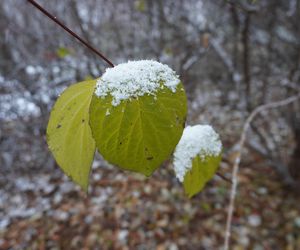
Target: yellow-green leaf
140,5
140,133
68,133
63,52
201,172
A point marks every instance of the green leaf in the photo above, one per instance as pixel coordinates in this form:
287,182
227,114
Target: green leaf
68,133
139,134
62,52
140,5
201,172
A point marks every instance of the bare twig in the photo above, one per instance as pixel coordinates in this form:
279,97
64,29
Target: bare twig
238,159
223,177
54,18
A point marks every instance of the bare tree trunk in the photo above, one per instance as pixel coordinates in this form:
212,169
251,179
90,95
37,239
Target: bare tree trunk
246,60
294,165
294,76
236,28
236,37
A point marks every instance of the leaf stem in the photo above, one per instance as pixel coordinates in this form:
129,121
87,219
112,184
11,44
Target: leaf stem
54,18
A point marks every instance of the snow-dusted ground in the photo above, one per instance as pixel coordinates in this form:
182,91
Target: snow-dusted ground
37,195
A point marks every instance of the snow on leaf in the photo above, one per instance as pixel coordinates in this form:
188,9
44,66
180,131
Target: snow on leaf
134,79
197,157
147,110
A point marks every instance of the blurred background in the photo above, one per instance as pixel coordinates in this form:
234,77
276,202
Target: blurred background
232,56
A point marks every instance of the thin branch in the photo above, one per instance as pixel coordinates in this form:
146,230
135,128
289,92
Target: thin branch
238,159
223,177
281,169
54,18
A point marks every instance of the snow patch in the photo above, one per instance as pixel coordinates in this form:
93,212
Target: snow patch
134,79
123,235
254,220
30,70
199,140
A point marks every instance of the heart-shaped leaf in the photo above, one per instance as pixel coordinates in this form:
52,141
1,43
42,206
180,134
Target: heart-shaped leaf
137,122
68,133
139,134
197,157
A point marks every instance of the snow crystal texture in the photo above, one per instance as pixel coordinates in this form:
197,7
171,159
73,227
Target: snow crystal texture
134,79
199,140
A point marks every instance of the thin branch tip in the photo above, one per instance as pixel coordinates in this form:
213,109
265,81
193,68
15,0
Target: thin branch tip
72,33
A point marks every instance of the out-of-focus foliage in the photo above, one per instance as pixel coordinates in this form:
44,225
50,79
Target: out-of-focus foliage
63,52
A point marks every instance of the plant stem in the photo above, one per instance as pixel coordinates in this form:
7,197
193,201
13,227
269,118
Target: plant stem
237,161
53,18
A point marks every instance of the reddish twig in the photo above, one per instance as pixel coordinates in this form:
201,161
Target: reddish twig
53,18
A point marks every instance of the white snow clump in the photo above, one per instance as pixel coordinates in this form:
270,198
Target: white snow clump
199,140
134,79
